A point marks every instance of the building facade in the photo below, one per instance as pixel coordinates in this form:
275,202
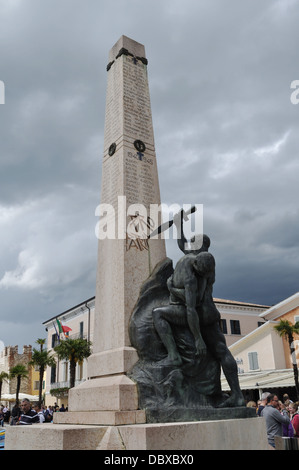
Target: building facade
263,357
80,320
238,319
288,309
9,358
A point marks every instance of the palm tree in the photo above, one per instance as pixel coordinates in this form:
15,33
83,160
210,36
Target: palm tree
3,378
19,371
41,342
41,358
74,350
287,329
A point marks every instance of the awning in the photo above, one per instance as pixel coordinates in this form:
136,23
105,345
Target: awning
263,380
12,397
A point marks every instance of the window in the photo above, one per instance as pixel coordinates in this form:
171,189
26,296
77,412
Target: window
36,385
296,318
53,374
239,363
80,371
235,327
65,371
253,361
223,326
54,341
81,329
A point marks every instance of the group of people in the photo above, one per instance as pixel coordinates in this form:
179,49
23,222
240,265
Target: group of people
4,415
26,413
281,416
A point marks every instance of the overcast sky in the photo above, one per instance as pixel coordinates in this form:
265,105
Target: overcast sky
226,136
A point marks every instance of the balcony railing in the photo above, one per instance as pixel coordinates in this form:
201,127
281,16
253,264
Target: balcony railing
65,384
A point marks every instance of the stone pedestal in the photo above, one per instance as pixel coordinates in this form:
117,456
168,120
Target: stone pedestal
230,434
110,400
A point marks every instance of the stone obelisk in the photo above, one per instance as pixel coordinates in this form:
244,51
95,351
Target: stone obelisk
129,176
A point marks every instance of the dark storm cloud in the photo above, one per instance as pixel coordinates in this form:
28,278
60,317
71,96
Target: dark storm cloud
225,132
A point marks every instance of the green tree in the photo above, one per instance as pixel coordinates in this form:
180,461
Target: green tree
75,351
287,329
41,358
3,378
19,371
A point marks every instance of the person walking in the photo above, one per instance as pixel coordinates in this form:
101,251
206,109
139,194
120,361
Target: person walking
263,402
1,416
274,419
40,413
294,415
28,415
15,414
287,429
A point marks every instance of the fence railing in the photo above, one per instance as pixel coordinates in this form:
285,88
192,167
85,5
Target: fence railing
65,384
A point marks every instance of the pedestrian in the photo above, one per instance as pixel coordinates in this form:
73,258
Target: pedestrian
274,418
286,398
47,415
1,416
263,402
40,413
251,404
294,415
15,414
5,413
28,415
287,429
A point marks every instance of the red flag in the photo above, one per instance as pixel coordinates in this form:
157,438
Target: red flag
65,329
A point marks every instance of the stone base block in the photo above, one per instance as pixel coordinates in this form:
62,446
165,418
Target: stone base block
117,393
114,418
231,434
48,436
115,361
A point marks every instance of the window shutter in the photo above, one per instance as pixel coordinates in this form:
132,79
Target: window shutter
253,361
